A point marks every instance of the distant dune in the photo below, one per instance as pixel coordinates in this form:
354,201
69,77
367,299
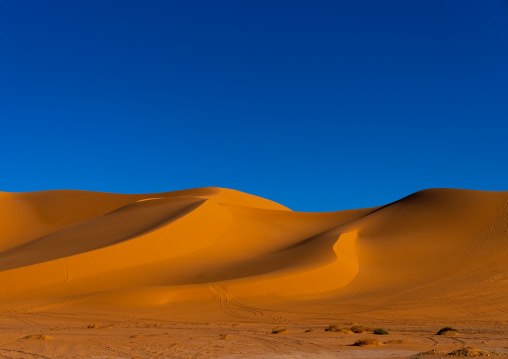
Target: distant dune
438,250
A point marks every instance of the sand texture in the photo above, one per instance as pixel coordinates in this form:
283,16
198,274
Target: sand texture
212,272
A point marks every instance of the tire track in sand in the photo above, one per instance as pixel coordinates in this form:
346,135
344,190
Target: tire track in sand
228,304
33,355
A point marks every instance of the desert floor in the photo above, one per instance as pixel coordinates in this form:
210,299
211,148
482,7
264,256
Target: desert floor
233,331
211,273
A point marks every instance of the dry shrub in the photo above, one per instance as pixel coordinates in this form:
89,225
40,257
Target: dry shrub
361,329
224,336
280,330
447,331
337,329
333,328
472,352
38,337
365,342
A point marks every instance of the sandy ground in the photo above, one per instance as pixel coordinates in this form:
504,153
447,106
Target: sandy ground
90,332
209,273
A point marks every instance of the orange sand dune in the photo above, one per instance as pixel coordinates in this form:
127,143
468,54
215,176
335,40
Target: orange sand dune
441,251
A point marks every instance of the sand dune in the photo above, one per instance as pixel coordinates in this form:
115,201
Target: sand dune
210,272
438,249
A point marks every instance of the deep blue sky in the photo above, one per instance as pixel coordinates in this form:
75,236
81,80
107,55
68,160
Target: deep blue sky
318,105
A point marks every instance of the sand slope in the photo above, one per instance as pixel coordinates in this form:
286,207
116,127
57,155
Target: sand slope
443,251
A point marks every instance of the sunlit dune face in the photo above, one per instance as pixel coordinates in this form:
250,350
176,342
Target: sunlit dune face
208,244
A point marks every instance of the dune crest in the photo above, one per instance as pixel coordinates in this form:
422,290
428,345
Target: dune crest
440,247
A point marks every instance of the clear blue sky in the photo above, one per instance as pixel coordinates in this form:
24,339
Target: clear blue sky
318,105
